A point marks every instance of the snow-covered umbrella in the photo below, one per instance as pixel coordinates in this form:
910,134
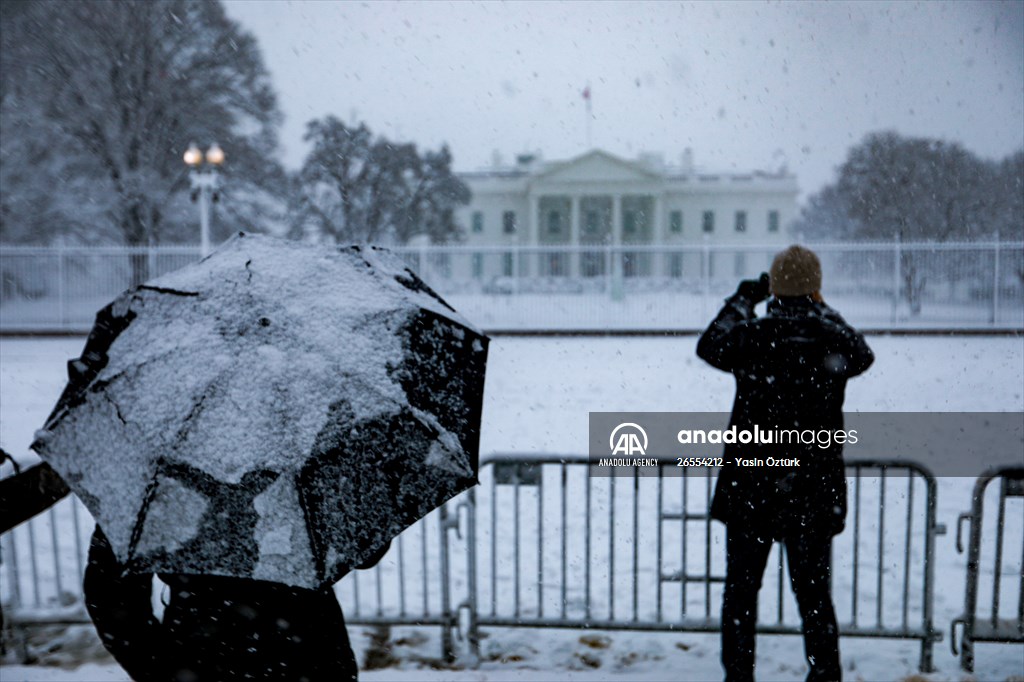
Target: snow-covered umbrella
277,411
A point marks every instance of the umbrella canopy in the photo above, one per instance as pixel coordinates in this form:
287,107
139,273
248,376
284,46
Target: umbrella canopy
277,411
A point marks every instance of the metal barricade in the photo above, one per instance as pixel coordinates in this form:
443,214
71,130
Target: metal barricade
551,546
42,563
990,628
414,584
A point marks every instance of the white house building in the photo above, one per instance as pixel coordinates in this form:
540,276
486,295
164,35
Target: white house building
597,202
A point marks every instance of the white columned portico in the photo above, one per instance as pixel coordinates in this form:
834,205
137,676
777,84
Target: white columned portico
532,234
574,234
659,233
616,220
616,264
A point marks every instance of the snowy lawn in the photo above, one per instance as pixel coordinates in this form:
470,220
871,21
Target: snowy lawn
539,394
554,310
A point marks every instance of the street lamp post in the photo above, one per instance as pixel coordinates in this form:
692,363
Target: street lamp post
204,186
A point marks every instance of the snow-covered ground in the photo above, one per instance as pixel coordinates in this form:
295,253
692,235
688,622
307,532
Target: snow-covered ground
538,396
594,311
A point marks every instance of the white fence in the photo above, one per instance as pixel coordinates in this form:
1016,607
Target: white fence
582,288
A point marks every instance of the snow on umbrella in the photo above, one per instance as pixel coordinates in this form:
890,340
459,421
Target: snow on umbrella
278,411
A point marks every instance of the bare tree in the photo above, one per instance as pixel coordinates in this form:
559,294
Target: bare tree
355,188
115,91
918,189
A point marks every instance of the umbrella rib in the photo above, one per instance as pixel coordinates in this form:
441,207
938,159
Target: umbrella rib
197,408
117,408
164,290
97,383
410,280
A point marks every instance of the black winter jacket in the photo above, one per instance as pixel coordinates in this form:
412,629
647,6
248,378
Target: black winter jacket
791,368
217,628
28,493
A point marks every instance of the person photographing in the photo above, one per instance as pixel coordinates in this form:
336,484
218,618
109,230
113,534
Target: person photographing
791,368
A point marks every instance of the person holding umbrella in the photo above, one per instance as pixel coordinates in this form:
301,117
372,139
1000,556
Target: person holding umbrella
791,368
217,628
22,496
28,492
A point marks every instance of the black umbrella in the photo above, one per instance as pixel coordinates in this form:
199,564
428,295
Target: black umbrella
278,411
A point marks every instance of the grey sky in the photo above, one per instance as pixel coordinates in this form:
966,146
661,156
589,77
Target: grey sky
742,83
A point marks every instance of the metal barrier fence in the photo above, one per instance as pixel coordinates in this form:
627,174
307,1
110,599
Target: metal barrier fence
551,546
990,628
921,284
546,545
43,562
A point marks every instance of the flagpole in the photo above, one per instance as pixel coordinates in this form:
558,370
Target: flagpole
590,126
590,118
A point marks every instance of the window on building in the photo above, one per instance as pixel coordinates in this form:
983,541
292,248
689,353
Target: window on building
478,265
741,221
554,222
556,265
508,222
507,265
675,265
740,265
773,221
629,222
629,264
675,222
478,221
592,222
592,264
708,221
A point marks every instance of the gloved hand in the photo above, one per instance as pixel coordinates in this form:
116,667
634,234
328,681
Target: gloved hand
754,290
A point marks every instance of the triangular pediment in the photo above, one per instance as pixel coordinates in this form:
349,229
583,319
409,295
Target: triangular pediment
597,166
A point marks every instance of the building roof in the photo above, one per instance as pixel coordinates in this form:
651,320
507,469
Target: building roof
647,166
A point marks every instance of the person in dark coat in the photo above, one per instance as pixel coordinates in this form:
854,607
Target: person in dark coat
217,628
791,368
28,492
22,496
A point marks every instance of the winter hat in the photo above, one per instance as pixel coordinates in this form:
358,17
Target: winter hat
795,272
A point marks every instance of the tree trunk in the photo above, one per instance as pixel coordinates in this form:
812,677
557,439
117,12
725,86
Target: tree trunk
913,283
140,268
133,226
